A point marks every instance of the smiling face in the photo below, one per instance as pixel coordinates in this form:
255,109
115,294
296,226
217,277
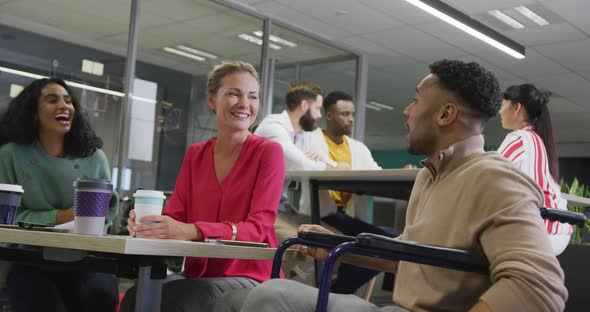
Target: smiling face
421,117
55,110
236,101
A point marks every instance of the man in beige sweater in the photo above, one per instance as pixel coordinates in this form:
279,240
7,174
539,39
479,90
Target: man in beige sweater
464,198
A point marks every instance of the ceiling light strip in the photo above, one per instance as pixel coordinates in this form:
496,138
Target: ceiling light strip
21,73
384,106
528,13
375,108
73,84
257,41
478,30
182,53
282,41
503,17
143,99
196,52
95,89
276,39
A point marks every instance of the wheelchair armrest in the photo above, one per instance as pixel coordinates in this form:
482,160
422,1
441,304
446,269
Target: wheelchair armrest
325,238
307,238
563,216
386,247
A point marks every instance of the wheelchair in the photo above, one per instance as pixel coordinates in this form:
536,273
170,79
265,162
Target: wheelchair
383,247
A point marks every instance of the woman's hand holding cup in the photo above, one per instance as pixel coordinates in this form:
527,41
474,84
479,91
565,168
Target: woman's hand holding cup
164,227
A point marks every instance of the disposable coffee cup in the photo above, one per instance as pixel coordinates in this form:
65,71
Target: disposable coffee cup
10,198
148,203
91,205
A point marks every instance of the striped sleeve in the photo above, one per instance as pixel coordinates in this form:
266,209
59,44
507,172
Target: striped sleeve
525,149
512,148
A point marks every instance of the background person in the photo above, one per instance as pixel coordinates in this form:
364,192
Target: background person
228,188
45,145
341,210
531,147
335,141
291,128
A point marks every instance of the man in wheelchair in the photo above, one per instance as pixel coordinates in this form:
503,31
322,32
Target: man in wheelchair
464,198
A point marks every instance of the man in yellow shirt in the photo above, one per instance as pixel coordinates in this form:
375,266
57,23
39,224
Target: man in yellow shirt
335,142
340,152
348,216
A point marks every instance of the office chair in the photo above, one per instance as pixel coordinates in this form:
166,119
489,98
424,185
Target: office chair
373,245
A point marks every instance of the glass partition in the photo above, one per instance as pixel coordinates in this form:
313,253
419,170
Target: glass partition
295,56
179,42
71,40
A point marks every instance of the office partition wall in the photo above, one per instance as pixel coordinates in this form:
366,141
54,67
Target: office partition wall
74,41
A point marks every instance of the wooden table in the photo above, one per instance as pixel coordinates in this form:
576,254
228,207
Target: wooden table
119,255
391,183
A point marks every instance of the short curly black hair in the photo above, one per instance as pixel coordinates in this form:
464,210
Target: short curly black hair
18,124
475,85
334,97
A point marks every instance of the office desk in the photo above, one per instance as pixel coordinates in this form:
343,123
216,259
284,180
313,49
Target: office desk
391,183
121,255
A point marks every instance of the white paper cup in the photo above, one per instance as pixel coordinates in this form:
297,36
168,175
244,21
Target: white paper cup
148,203
89,225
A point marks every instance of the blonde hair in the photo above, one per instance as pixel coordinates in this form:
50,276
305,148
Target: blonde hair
227,68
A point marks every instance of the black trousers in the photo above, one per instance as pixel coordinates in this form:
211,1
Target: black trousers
38,289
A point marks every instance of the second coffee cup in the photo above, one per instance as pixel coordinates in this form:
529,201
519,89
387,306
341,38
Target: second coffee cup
91,205
148,203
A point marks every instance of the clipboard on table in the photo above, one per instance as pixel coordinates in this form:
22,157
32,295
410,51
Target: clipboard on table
236,243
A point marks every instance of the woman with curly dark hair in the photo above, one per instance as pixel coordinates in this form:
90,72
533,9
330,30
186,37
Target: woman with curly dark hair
46,144
20,124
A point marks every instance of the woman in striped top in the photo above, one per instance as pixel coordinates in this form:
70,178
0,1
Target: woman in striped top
531,147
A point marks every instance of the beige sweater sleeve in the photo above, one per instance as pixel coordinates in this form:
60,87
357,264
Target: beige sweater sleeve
525,274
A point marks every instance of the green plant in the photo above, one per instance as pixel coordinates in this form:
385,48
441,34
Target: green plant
578,189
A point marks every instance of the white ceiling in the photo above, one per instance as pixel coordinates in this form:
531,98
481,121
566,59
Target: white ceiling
201,24
399,40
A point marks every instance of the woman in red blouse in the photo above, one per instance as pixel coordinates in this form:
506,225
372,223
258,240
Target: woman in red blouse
228,188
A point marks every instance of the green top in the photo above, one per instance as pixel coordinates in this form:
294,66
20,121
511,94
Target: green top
48,181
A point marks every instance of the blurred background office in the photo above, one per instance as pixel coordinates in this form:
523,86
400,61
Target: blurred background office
376,50
160,51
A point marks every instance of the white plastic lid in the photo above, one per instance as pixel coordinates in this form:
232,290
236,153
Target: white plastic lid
148,193
11,188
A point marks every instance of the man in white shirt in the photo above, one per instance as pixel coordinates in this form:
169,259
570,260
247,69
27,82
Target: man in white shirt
291,129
